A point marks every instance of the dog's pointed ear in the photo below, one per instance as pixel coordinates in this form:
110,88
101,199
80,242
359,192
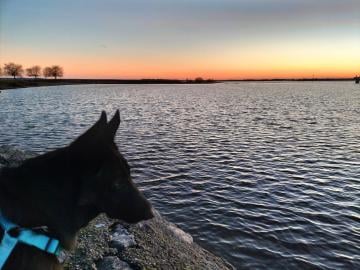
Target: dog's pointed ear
103,119
96,131
99,125
114,125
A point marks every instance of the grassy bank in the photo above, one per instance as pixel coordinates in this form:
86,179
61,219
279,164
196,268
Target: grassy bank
21,83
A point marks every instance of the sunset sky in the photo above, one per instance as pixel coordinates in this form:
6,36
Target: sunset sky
220,39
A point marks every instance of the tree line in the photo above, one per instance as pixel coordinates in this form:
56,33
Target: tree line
16,70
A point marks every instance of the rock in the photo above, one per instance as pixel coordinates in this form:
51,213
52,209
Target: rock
162,245
10,156
175,230
181,234
121,238
92,245
152,244
113,263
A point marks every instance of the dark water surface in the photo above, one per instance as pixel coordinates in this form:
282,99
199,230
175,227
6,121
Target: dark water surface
264,174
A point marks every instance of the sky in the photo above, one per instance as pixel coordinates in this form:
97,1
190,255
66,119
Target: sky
219,39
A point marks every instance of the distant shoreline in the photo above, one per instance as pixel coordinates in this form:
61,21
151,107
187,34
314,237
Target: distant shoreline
291,80
23,83
6,83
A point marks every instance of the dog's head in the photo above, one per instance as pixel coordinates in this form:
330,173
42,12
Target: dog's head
66,188
106,180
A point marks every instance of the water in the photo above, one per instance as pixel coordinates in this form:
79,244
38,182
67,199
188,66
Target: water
263,174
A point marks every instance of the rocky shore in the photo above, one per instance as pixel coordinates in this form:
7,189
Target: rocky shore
107,244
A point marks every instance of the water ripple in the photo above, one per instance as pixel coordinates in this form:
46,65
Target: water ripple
263,174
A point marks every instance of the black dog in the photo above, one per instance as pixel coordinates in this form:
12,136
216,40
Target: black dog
66,188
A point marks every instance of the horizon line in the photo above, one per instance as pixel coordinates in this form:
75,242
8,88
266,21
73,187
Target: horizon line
186,79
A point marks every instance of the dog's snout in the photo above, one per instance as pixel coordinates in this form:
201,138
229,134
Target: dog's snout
143,211
149,214
131,207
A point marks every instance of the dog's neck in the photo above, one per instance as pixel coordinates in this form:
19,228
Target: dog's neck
63,222
12,205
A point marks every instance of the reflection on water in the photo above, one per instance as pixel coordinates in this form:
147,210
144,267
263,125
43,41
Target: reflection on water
264,174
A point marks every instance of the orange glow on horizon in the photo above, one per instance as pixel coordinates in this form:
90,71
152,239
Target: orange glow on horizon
98,70
236,63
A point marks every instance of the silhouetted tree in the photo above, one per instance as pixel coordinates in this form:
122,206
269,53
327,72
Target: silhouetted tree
54,71
0,71
357,79
12,69
199,79
34,71
47,72
57,71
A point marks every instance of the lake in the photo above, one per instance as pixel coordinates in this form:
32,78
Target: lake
267,175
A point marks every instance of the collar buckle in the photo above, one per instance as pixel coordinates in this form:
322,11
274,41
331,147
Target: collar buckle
14,234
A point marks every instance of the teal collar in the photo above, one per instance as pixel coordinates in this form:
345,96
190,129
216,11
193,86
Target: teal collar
24,236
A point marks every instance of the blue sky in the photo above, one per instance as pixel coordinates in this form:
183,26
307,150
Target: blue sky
215,38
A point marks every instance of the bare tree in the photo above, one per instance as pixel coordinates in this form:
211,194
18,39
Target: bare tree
12,69
57,71
34,71
47,72
199,80
53,71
